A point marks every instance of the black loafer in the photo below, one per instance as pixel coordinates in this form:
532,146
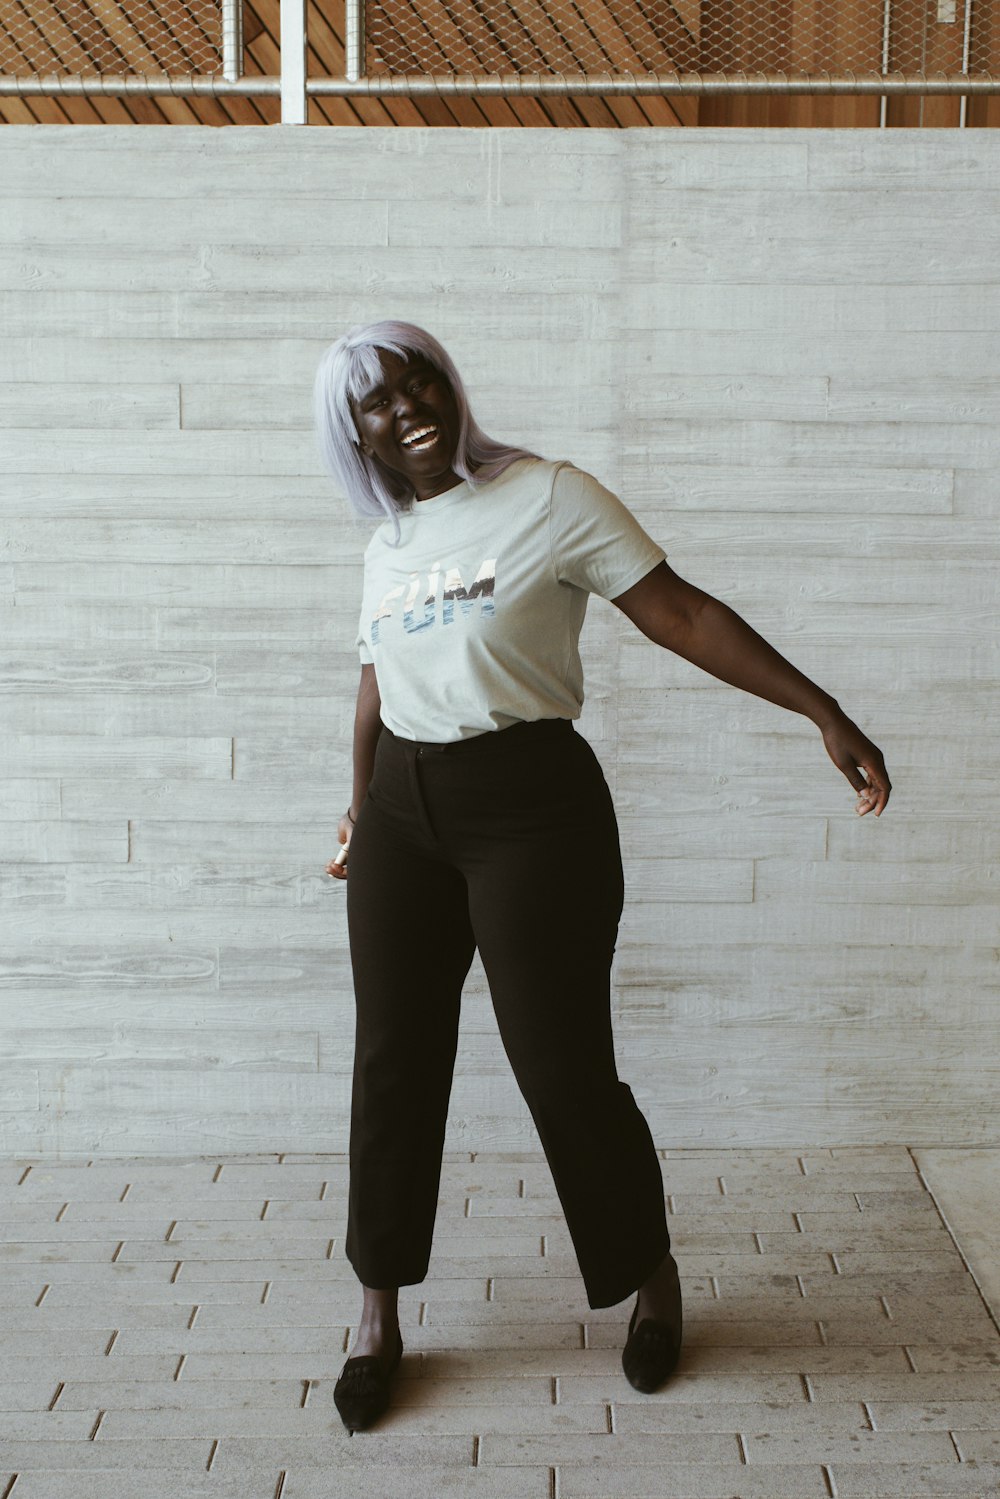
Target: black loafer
652,1351
361,1394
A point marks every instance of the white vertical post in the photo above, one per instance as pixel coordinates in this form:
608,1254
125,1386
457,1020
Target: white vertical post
232,40
293,62
963,102
883,103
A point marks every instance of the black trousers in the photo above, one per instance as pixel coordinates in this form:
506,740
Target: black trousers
507,841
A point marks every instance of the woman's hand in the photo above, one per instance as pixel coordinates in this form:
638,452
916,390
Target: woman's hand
860,761
344,830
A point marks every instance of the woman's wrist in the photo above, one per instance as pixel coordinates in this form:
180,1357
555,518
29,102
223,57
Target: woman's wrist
827,712
350,817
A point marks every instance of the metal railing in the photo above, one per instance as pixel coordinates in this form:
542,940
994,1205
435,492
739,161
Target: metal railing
506,48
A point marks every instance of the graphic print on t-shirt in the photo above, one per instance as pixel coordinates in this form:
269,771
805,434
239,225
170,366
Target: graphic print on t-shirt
480,595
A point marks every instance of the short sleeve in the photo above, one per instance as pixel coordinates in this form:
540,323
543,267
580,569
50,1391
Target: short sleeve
596,542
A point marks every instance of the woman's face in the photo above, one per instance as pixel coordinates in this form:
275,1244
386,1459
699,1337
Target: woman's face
414,401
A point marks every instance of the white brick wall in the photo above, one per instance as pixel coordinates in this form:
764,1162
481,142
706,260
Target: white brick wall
780,348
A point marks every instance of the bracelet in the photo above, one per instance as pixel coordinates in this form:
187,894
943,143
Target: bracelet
350,819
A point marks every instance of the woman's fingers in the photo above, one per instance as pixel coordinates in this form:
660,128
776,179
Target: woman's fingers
874,796
861,762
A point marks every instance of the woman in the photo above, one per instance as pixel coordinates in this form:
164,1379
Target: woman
481,818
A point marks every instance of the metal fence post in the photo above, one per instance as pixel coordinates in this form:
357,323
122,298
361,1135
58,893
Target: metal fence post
293,62
354,40
232,40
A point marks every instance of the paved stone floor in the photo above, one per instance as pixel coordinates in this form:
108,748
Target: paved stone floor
175,1328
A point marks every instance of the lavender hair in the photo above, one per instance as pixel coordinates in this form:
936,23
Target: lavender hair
348,369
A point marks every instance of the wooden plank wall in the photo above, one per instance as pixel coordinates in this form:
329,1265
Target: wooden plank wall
781,350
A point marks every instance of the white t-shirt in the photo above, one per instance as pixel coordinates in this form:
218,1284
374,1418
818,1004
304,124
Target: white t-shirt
473,621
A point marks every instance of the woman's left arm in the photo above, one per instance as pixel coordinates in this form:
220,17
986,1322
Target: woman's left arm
673,613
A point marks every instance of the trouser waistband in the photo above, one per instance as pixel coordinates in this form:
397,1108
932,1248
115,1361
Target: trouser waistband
492,740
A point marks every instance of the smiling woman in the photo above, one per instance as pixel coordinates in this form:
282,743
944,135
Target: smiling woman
481,819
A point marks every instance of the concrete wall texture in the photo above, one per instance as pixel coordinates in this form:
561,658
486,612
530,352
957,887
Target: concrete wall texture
779,347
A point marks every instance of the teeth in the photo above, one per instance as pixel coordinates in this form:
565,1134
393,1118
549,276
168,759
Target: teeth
415,437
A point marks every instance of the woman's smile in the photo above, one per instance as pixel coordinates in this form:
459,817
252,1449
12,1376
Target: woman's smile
421,439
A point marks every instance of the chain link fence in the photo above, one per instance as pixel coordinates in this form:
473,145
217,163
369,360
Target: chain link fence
81,38
655,36
504,47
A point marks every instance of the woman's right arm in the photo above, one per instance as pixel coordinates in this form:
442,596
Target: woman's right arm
367,728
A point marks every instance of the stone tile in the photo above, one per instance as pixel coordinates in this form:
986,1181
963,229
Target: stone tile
338,1449
638,1450
905,1387
429,1418
957,1414
860,1329
915,1480
52,1345
714,1161
799,1359
964,1308
690,1242
199,1367
26,1457
330,1313
687,1221
847,1157
57,1318
692,1481
955,1359
276,1338
149,1483
179,1395
727,1332
418,1483
861,1260
980,1446
33,1247
322,1273
887,1223
27,1395
99,1275
311,1293
48,1426
67,1366
849,1447
747,1262
914,1196
943,1283
135,1213
124,1295
688,1387
438,1388
693,1416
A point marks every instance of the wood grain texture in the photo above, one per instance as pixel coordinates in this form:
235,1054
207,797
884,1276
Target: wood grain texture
779,347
